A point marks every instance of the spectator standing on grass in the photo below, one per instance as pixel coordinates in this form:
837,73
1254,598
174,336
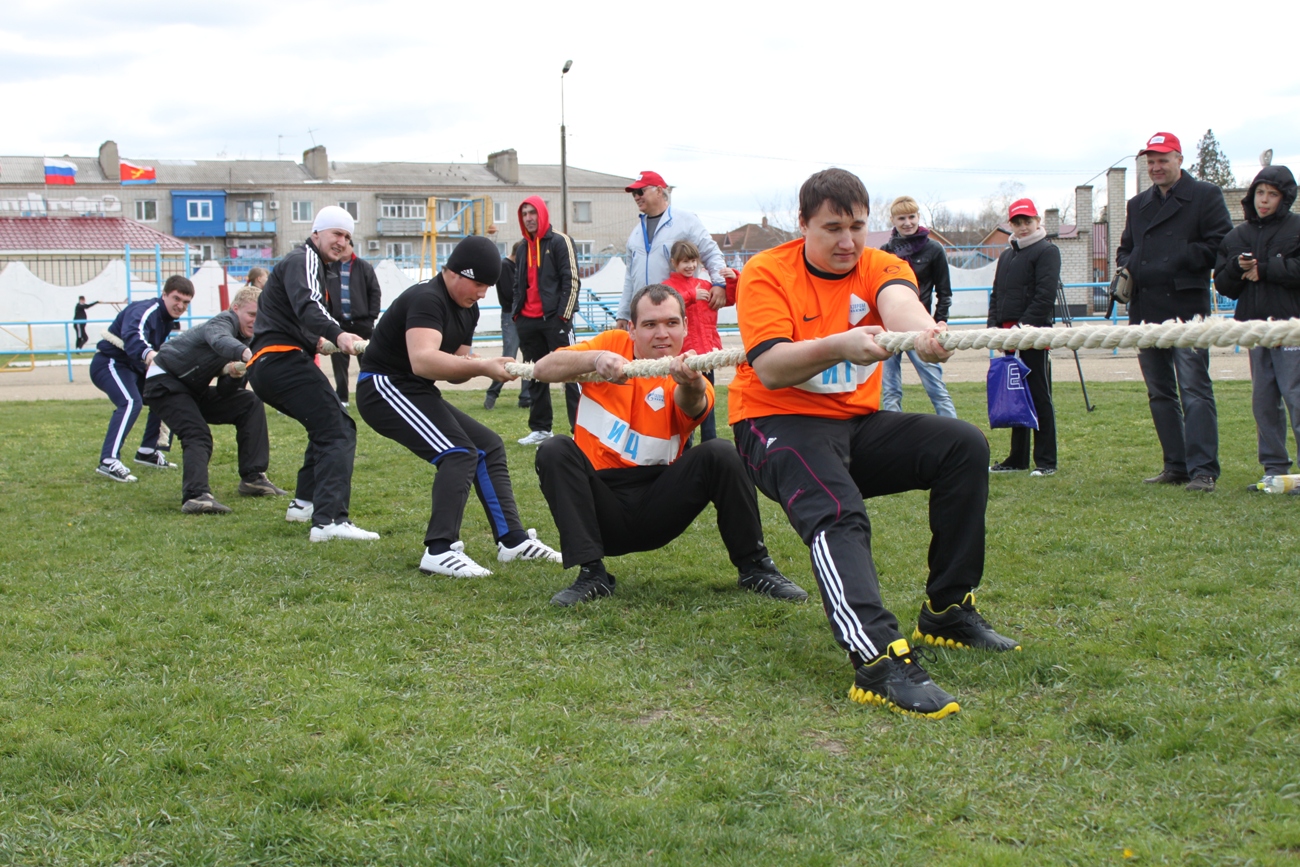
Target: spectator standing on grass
293,323
1259,265
702,304
546,294
804,411
650,246
624,482
509,334
1171,237
425,336
354,300
1024,293
178,387
912,242
79,319
118,369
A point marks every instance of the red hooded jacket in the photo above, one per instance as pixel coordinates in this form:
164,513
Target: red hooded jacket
547,284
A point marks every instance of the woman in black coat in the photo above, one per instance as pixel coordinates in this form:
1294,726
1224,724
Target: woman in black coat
1024,293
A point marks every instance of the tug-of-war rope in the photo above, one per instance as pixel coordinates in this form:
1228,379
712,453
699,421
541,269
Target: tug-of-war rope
1198,334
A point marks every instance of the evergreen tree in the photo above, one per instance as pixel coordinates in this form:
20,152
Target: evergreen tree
1212,163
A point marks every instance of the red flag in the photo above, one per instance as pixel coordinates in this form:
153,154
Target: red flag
132,174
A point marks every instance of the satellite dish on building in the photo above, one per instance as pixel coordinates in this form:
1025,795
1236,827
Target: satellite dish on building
1266,158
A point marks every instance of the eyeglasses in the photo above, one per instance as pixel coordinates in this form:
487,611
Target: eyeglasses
639,193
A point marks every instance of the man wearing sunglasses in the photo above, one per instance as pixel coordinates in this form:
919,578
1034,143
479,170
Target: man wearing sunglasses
648,247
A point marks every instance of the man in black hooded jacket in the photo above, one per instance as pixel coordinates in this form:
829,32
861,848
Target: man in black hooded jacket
1259,265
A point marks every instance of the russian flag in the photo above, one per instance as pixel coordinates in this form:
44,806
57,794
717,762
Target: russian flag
60,172
133,174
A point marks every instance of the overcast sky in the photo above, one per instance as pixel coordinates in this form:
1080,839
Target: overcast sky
732,105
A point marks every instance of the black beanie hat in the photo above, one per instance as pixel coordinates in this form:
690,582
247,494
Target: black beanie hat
476,258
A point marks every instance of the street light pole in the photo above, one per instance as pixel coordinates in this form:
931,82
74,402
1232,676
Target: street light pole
564,156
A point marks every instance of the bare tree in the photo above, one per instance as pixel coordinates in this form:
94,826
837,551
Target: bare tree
781,212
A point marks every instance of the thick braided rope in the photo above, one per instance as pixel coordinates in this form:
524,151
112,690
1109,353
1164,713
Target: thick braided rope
1199,334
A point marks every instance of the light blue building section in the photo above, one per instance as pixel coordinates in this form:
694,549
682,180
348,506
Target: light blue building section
199,213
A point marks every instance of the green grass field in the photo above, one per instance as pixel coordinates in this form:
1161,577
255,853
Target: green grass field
216,690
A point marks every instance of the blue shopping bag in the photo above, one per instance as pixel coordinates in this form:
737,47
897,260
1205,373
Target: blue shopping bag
1010,404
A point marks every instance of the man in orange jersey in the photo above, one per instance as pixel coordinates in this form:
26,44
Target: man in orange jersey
804,414
623,484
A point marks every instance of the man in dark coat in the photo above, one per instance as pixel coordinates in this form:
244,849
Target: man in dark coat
352,289
1259,264
79,319
509,335
1170,239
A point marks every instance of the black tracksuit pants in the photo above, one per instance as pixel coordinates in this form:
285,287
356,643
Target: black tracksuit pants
465,452
603,513
820,471
292,383
1039,362
188,414
537,339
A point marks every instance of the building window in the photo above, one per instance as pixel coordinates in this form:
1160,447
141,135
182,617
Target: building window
443,251
353,208
146,211
402,209
583,250
399,250
198,209
582,212
201,253
252,211
499,214
449,221
302,212
503,248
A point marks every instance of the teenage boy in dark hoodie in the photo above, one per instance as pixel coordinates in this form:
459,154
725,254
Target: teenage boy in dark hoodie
546,294
1259,265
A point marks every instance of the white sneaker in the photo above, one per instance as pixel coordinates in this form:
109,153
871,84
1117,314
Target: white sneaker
300,512
115,470
536,437
454,564
529,549
342,530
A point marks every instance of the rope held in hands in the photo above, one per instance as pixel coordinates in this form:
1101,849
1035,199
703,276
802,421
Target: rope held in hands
1198,334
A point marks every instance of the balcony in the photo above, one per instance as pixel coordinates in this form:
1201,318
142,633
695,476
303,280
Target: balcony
401,228
250,227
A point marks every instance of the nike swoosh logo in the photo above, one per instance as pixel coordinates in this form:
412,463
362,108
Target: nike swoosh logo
811,318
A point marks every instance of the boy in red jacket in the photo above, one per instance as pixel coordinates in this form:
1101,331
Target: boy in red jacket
702,303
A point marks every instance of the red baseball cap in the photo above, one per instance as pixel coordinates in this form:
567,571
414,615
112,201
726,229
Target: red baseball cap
1022,208
647,179
1162,143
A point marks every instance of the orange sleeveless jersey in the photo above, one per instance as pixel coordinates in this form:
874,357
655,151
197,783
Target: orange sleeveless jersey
779,299
632,425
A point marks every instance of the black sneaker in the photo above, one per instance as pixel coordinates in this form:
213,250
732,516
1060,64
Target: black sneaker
489,401
259,486
1003,467
898,682
591,584
959,627
764,577
157,460
1202,483
204,504
1166,477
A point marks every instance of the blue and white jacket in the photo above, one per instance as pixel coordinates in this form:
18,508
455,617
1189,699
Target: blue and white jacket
144,327
649,260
